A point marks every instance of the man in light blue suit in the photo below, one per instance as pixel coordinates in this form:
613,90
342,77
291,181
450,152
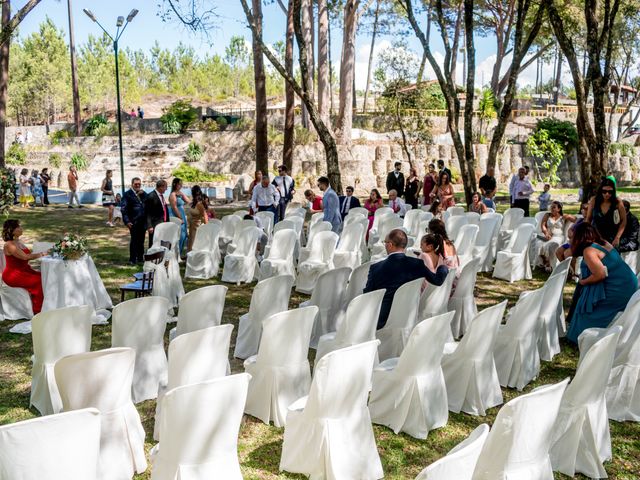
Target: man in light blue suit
330,204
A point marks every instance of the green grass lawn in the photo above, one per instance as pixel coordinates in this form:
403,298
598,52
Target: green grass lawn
403,457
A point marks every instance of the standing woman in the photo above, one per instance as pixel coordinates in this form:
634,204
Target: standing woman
36,188
444,192
25,197
428,184
197,214
412,187
44,181
373,203
177,201
108,198
606,212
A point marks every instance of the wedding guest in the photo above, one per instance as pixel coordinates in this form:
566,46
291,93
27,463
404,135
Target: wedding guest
265,197
211,212
477,205
197,214
45,178
117,209
257,178
330,204
395,179
140,113
347,202
629,239
315,201
25,196
412,187
442,169
544,198
177,201
36,188
552,228
134,217
487,186
373,203
155,207
17,271
72,180
606,213
429,184
451,260
444,192
108,198
433,254
286,187
522,190
396,204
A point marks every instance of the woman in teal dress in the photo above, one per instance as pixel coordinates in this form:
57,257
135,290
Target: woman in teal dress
177,201
606,282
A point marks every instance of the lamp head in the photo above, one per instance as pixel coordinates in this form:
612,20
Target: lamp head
132,14
120,21
89,14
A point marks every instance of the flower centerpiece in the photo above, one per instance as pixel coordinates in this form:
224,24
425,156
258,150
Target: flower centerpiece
70,247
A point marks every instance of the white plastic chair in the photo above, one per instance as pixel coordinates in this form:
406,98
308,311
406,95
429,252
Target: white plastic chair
203,261
315,230
328,433
548,337
358,326
55,447
518,444
403,316
510,221
140,324
241,265
348,252
200,308
195,357
487,240
102,380
463,301
516,347
269,296
454,224
434,299
199,430
267,220
227,232
56,334
465,243
469,368
280,260
15,302
328,297
280,372
409,393
581,441
460,462
167,232
320,260
512,264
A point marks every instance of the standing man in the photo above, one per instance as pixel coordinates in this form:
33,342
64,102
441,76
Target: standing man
44,181
265,197
347,202
72,180
133,216
140,112
155,207
286,188
397,204
330,204
395,180
487,187
442,169
522,190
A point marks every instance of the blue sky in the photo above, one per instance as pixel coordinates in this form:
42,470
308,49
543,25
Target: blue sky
148,27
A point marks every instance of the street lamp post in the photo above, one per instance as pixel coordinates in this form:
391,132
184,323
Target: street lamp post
119,23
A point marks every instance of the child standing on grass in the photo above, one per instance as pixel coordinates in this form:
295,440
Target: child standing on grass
544,199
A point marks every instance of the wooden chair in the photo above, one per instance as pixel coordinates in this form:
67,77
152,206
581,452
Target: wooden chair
143,284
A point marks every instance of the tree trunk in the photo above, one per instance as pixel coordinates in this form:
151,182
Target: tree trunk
370,64
469,177
74,75
323,59
423,62
4,79
347,66
456,43
332,107
307,28
289,113
262,142
558,79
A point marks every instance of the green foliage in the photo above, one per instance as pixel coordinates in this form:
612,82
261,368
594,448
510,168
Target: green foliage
487,105
194,152
178,116
79,161
548,152
210,125
244,124
222,122
7,190
95,124
189,173
302,136
16,155
275,136
55,160
58,135
431,97
624,149
562,131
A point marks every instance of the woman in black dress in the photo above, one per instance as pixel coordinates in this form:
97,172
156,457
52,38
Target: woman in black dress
411,189
606,212
108,199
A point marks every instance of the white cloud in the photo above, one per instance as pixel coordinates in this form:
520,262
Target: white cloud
362,61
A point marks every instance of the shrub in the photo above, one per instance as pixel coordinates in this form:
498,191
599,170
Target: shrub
95,124
222,122
104,130
210,125
194,152
625,149
16,155
55,160
58,135
178,116
170,125
562,131
548,151
79,161
190,173
302,136
275,136
7,190
244,124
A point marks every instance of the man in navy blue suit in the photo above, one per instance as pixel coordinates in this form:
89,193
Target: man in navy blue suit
134,217
396,270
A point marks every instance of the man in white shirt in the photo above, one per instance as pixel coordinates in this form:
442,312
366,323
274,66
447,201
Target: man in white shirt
265,197
512,183
522,190
397,204
286,188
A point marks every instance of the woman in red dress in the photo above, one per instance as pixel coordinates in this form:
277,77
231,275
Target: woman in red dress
17,271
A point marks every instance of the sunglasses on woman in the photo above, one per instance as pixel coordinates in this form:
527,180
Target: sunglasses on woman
607,192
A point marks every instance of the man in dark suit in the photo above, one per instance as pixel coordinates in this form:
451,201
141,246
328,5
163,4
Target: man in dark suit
395,180
155,207
442,169
396,270
347,202
134,218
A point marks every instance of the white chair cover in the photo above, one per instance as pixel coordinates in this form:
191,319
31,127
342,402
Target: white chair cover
228,231
465,243
456,210
473,218
329,434
269,296
295,211
200,308
510,221
454,224
487,240
15,302
315,219
517,446
195,357
320,260
461,461
280,372
56,334
434,299
280,260
409,393
267,220
631,258
358,211
463,301
239,213
348,252
328,297
516,348
102,380
140,324
561,267
358,326
199,430
387,223
241,265
512,264
548,337
403,316
167,281
469,368
316,229
353,218
378,214
581,440
168,232
203,261
55,447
